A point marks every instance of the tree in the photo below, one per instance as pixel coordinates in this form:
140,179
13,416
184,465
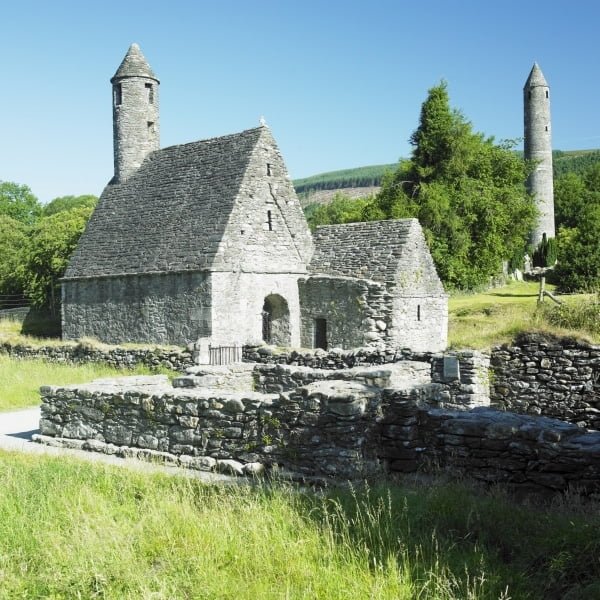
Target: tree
341,209
68,203
577,202
18,202
52,242
13,239
467,192
578,268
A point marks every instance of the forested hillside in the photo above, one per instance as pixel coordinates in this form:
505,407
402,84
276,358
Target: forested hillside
571,161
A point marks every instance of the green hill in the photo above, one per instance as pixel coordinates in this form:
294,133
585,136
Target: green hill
346,178
564,161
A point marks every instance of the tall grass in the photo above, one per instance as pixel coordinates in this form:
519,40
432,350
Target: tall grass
20,379
74,530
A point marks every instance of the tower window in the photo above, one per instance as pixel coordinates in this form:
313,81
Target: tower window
269,173
546,127
546,93
150,89
269,220
418,312
117,94
151,127
529,94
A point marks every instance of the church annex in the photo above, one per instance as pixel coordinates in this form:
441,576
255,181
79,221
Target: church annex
207,241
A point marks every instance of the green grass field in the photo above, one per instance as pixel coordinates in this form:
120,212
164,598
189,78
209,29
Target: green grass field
497,315
75,530
21,379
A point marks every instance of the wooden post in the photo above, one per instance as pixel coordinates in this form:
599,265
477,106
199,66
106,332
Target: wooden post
542,288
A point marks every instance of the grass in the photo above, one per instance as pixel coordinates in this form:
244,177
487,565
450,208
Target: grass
497,315
21,378
75,530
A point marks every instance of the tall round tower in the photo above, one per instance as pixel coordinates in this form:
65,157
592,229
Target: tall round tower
135,113
538,149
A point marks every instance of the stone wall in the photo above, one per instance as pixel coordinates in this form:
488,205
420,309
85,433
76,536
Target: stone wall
461,378
524,452
554,377
357,311
325,429
176,359
171,308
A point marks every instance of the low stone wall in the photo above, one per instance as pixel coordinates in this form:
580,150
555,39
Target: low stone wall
321,429
325,429
175,359
554,377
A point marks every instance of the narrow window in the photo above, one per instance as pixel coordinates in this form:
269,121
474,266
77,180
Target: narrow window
269,169
418,312
269,220
530,94
546,93
150,127
320,338
118,94
150,89
546,127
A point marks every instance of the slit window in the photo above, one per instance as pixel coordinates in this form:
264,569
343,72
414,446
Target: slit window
150,91
150,127
546,93
418,312
269,170
118,94
269,220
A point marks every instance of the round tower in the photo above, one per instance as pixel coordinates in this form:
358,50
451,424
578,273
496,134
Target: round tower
538,149
135,113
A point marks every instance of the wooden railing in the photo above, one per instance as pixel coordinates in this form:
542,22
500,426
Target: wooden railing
225,355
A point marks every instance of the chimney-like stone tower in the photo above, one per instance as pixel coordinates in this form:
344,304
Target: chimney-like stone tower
135,113
538,148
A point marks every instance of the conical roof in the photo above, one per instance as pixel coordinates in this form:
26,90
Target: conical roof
134,65
536,77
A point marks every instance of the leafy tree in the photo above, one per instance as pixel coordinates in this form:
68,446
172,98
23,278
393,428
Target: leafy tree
68,203
341,209
467,192
13,239
18,202
578,268
52,242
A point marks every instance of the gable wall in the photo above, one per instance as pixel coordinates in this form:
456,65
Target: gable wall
171,308
249,244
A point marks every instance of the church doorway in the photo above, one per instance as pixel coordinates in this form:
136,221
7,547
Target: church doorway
276,321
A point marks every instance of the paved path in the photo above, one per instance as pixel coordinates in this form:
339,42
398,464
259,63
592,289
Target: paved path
16,429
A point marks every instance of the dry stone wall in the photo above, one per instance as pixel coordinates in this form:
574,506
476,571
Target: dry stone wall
554,377
175,359
339,429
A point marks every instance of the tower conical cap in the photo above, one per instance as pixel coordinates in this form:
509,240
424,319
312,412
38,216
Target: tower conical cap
536,77
134,65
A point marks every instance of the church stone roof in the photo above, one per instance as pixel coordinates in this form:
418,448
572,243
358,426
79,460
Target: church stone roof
134,65
170,215
392,251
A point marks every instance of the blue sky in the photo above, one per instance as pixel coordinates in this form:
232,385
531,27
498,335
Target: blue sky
340,83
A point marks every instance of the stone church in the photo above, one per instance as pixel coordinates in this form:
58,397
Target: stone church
207,242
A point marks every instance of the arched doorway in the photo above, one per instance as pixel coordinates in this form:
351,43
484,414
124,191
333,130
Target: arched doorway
276,321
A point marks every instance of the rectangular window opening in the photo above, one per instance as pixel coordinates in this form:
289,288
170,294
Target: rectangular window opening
150,127
546,93
269,220
150,89
418,312
118,94
269,173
